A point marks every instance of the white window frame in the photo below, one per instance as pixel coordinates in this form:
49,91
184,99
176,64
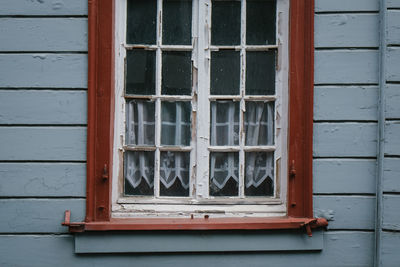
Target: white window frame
201,203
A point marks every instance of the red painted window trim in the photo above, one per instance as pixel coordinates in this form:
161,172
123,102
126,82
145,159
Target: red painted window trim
101,122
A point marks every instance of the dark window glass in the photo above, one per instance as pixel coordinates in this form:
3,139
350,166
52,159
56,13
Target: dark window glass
174,174
260,73
141,22
225,20
140,72
139,173
177,22
176,73
260,25
224,174
259,174
225,72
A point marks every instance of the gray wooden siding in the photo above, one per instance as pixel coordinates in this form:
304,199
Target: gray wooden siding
43,81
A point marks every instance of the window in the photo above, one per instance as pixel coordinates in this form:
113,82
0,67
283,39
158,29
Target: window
166,109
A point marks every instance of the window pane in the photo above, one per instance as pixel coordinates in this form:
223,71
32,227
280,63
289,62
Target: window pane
141,22
140,122
175,123
177,22
224,174
259,123
225,72
174,173
176,73
260,25
140,72
259,174
260,73
139,173
225,18
224,123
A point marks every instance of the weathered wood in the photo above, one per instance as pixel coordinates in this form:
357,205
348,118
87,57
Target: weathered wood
344,176
345,103
346,5
346,67
391,211
392,140
43,34
347,30
43,70
43,7
393,26
43,107
345,139
393,67
43,143
38,215
42,179
392,101
391,178
346,212
390,249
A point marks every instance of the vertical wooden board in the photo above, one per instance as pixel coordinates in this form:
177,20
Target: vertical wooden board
345,103
344,176
38,215
43,7
346,212
392,138
392,101
43,70
43,143
346,67
393,3
43,34
393,27
393,66
391,175
346,5
391,211
390,244
43,107
42,179
346,30
345,139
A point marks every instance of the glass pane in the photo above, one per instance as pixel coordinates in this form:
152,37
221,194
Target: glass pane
224,174
225,18
260,25
259,174
139,173
140,122
177,22
224,123
140,72
225,72
260,73
175,123
259,123
174,174
176,73
141,22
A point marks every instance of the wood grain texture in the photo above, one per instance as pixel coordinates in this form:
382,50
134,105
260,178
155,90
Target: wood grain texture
346,67
43,34
346,5
43,143
346,30
42,179
43,70
393,66
43,7
392,101
392,140
345,139
391,211
346,212
38,215
348,176
390,247
43,107
391,178
345,103
393,27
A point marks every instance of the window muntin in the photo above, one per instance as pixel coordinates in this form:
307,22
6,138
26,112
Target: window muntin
251,162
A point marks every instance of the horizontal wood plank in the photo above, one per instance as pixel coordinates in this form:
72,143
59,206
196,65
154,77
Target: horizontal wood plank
43,34
43,107
391,178
43,70
345,139
392,140
345,103
43,143
42,179
43,7
392,101
346,30
393,3
391,211
346,5
38,215
346,212
346,67
393,67
344,176
393,26
390,244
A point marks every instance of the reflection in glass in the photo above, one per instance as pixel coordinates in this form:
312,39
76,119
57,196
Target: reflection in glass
224,123
259,173
260,73
175,123
260,25
139,173
224,174
177,22
141,22
174,173
140,72
225,20
140,123
225,72
176,73
259,123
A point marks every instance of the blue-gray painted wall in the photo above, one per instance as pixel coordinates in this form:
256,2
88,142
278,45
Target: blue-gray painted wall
43,84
